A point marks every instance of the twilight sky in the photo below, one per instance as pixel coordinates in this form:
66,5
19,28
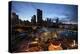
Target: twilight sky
65,13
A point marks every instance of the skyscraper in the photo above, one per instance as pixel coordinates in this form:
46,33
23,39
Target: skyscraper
33,20
57,20
39,16
14,18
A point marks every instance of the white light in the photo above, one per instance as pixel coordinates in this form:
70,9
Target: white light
74,42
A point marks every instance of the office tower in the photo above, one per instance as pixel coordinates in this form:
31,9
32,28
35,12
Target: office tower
39,16
33,20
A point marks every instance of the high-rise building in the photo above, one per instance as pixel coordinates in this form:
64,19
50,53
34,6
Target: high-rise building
57,20
49,20
33,20
14,18
39,16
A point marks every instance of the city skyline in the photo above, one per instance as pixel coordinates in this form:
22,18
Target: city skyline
35,27
26,10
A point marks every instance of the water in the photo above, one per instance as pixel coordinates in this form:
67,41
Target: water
62,32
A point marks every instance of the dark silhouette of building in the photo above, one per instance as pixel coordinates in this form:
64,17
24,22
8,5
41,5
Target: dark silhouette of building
14,18
57,20
39,16
49,20
33,20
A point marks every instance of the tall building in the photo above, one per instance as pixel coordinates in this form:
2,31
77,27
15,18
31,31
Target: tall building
39,16
33,20
14,18
49,20
57,20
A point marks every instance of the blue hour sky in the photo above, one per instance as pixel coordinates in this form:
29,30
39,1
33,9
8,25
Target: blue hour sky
65,13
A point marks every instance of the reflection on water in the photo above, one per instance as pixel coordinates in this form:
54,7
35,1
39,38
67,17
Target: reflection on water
45,39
